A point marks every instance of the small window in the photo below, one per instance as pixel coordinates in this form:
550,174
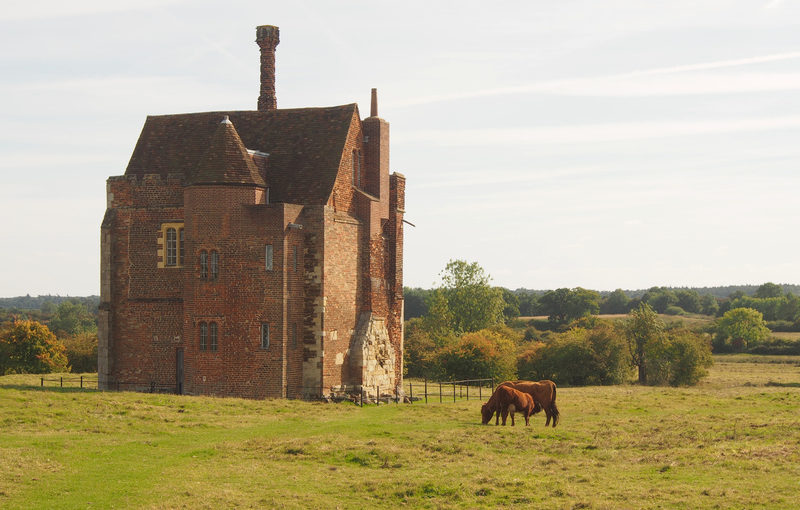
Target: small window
268,257
172,247
214,265
203,336
203,265
265,336
212,336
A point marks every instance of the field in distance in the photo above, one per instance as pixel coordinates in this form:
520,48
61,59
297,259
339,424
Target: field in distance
732,442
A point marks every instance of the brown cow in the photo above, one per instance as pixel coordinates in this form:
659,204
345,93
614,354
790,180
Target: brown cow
544,395
507,400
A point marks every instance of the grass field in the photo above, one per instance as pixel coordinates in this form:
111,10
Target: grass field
731,442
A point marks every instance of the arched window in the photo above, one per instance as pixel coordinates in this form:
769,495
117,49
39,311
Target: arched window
203,336
203,265
212,336
214,265
172,247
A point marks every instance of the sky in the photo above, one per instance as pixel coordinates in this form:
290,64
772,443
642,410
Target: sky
616,144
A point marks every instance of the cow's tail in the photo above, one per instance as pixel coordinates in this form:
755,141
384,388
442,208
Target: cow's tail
553,408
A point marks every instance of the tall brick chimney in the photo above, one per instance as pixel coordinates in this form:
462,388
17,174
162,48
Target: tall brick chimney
267,38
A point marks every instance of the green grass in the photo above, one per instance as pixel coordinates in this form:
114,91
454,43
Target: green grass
731,442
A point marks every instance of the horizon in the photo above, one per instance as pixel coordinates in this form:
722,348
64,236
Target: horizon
621,145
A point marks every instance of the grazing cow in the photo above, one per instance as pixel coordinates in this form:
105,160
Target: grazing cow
543,393
507,400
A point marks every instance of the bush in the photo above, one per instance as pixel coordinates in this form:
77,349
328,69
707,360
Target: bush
674,310
30,347
784,326
578,357
680,359
482,354
777,346
81,351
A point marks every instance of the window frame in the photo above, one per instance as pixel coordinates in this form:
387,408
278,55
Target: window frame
213,270
204,265
265,336
269,254
203,336
213,334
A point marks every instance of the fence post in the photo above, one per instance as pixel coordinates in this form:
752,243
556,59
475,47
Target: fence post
426,390
42,382
411,392
440,392
467,392
81,382
62,381
454,391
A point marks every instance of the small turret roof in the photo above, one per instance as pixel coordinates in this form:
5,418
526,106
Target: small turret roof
226,161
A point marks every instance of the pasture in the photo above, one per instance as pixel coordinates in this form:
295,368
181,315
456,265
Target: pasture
731,442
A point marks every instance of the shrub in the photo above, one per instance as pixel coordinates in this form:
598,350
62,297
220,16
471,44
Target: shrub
30,347
578,357
739,329
674,310
680,359
81,351
777,346
482,354
782,326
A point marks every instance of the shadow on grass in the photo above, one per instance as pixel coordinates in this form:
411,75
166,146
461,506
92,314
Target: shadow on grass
783,385
54,389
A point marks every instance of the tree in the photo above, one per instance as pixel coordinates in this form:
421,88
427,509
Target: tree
30,347
739,328
414,302
72,318
708,305
472,303
565,305
689,300
768,290
660,298
679,359
642,328
616,302
528,304
511,304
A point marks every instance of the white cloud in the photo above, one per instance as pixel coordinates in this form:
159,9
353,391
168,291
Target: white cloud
38,9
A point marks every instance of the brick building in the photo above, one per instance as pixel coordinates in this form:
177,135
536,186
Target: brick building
255,253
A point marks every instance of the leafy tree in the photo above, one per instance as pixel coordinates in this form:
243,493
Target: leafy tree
30,347
660,298
565,305
471,303
72,318
418,349
689,300
708,305
528,304
642,328
740,328
511,304
616,302
768,290
415,302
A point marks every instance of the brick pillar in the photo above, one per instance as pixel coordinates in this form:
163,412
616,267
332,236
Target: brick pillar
267,38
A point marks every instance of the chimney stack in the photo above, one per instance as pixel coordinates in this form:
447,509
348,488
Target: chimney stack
267,38
373,107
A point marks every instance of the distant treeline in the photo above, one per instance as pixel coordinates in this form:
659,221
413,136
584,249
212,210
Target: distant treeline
717,292
45,302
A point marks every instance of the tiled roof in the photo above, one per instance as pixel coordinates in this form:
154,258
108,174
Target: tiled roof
305,147
226,161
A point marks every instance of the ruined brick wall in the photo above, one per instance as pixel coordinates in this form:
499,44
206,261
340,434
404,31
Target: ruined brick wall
343,265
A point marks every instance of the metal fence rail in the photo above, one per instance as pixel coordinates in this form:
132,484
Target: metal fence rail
419,391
